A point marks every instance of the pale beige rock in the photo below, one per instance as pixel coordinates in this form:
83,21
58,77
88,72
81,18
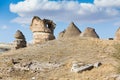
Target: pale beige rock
89,32
117,34
20,41
61,34
71,31
40,37
43,30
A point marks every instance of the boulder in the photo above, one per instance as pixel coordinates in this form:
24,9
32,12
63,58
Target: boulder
35,66
97,64
77,67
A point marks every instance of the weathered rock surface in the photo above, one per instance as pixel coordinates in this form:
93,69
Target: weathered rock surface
20,41
117,34
89,32
43,30
80,68
71,31
97,64
33,65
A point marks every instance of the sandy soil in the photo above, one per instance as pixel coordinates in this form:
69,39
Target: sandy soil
64,52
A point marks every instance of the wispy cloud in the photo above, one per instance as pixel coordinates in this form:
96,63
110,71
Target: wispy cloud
4,27
117,24
98,11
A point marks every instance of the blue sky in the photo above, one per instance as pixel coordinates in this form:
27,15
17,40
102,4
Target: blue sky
98,14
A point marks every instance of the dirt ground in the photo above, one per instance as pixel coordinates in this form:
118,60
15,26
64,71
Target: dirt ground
64,52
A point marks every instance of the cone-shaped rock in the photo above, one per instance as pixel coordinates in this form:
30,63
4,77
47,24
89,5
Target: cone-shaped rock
89,32
117,34
19,35
71,31
20,41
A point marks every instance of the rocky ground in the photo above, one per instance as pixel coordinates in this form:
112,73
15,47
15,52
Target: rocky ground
54,60
5,47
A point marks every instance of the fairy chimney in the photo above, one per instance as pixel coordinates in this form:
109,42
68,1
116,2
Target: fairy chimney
20,41
89,32
43,30
70,32
117,34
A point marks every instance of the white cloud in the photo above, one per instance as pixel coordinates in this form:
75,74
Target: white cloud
100,10
117,24
107,3
4,27
22,20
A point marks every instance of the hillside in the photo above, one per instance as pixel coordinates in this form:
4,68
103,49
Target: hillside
53,60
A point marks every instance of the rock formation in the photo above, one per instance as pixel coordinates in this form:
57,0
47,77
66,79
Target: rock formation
78,67
71,31
43,30
61,34
89,32
20,41
117,34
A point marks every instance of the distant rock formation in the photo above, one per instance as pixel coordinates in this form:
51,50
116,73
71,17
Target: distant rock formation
20,41
4,49
117,34
71,31
43,30
89,32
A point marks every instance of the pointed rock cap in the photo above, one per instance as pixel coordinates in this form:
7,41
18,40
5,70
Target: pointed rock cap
19,35
72,31
35,17
117,34
39,25
89,32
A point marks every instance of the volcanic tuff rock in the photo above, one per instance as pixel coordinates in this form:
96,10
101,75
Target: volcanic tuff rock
117,34
89,32
43,30
71,31
20,41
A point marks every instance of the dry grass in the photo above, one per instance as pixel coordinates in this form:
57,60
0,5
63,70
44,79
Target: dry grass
67,51
116,55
